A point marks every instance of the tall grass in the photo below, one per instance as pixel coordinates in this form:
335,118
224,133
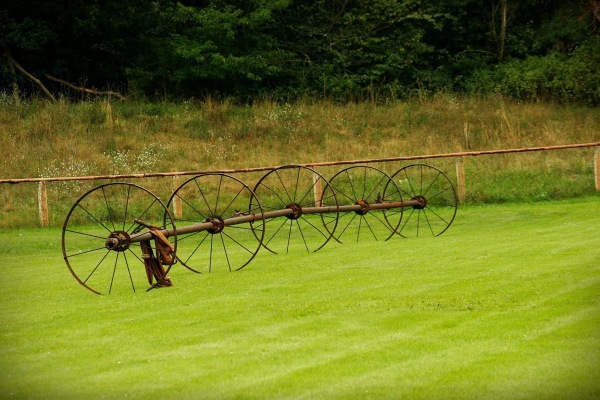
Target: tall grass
107,137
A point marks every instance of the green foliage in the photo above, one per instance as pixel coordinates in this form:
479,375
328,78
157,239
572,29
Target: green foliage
288,49
559,77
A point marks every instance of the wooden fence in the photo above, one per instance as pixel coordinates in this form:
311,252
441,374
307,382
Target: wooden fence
459,157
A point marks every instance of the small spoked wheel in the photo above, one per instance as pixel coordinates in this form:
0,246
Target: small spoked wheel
99,237
304,193
228,216
366,186
434,196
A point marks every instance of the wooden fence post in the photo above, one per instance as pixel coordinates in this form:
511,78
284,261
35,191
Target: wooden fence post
597,167
43,204
177,207
461,190
317,189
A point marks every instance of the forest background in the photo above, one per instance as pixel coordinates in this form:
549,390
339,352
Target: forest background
117,87
341,50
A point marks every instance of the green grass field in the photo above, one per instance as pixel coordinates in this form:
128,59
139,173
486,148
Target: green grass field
504,305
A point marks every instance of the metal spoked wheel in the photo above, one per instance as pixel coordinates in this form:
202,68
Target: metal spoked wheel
437,200
219,199
296,188
366,186
106,215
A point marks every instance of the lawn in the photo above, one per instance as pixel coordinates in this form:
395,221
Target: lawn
504,305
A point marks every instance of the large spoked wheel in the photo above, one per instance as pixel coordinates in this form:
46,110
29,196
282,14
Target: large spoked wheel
437,200
304,193
228,242
366,186
99,236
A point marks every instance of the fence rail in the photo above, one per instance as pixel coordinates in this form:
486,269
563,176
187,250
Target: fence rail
460,173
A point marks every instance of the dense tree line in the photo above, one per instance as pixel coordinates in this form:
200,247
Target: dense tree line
284,49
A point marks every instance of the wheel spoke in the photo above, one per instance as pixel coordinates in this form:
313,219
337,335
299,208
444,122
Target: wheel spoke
210,211
96,267
301,235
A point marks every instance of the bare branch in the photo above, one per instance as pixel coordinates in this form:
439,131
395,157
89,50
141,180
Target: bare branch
14,63
86,90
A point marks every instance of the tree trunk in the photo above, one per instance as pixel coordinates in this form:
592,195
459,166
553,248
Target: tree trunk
502,43
499,34
15,85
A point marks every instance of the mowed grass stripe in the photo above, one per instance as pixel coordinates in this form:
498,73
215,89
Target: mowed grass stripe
504,305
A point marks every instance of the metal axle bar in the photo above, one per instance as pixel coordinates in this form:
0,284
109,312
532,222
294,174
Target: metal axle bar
285,212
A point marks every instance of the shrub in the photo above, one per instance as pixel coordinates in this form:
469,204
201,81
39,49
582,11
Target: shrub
558,77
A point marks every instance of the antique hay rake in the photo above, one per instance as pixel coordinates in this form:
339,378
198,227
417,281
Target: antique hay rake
219,222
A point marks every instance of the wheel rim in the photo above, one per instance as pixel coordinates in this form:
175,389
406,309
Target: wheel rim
217,198
105,212
437,212
294,187
366,185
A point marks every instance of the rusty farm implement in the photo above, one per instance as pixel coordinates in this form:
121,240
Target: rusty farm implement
120,236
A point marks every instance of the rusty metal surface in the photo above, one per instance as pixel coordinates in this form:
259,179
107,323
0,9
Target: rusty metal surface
429,193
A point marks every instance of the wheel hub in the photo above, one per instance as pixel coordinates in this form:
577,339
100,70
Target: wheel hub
364,207
422,202
296,211
218,225
118,241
